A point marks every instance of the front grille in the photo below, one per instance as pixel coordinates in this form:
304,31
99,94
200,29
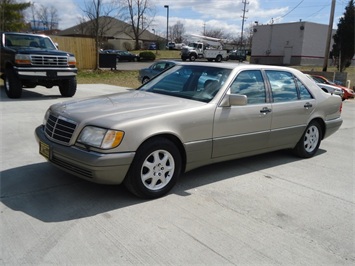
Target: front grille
47,60
59,129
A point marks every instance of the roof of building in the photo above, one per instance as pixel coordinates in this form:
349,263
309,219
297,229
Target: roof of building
110,28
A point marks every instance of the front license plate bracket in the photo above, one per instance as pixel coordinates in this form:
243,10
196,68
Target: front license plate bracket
44,149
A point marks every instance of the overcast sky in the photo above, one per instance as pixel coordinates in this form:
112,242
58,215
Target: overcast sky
216,14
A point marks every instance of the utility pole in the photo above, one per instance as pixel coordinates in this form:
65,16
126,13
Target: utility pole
243,20
330,31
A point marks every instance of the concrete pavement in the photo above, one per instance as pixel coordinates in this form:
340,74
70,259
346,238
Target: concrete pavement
263,210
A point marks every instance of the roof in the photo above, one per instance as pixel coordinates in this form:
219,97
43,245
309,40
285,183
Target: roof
112,29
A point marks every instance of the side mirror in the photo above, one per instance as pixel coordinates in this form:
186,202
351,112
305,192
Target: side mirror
234,99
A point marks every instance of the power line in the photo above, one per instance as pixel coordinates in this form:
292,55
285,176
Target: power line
292,9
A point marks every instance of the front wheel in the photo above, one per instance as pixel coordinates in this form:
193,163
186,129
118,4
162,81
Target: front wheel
309,143
192,58
67,87
154,170
145,80
13,86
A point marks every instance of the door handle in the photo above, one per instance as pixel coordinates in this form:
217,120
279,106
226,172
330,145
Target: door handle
308,105
265,110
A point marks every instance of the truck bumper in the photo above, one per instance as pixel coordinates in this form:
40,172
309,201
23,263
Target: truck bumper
91,166
45,73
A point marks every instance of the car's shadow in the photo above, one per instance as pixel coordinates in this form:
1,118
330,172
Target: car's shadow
51,195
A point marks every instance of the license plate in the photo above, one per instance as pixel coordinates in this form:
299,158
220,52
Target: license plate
44,149
51,74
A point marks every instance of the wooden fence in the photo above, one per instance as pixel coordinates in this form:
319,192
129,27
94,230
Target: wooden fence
82,48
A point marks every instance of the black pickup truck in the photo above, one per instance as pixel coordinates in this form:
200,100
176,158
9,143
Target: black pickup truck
28,60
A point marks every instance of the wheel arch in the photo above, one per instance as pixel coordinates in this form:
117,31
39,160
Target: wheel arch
176,141
321,122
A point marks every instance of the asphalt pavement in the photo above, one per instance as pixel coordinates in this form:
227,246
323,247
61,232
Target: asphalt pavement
272,209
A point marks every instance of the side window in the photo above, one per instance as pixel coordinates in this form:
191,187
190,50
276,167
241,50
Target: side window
159,66
251,84
283,86
304,93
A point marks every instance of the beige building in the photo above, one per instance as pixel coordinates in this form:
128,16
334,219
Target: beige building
298,43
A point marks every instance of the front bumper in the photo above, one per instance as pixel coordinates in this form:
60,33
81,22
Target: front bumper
92,166
45,72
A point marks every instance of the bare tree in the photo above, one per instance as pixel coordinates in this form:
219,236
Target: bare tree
177,31
140,16
100,20
216,33
48,15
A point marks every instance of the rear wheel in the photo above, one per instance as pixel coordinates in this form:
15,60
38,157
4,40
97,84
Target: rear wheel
154,170
309,143
67,87
13,86
218,58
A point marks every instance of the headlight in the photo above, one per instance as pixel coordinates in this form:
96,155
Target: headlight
22,59
100,137
71,61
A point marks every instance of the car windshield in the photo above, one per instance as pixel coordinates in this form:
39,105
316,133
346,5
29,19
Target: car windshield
198,83
29,41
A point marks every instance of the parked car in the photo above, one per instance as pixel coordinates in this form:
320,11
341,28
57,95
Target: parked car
145,74
122,55
126,56
239,55
328,88
152,46
348,93
191,115
171,46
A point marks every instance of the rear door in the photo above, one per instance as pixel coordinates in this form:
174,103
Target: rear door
291,108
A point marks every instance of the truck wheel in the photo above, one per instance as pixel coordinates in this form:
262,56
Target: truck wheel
67,87
218,58
13,86
192,57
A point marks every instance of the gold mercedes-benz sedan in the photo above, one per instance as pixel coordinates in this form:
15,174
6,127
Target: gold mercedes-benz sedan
191,115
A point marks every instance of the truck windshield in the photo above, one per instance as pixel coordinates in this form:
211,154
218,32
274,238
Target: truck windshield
30,42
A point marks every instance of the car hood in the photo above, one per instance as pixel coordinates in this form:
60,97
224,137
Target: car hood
116,108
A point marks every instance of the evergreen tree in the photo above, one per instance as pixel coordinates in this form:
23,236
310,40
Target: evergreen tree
344,44
11,15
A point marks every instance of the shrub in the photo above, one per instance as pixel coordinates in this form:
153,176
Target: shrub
147,56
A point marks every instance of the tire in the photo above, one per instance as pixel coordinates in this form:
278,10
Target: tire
145,80
13,86
67,87
154,170
309,143
192,58
218,58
